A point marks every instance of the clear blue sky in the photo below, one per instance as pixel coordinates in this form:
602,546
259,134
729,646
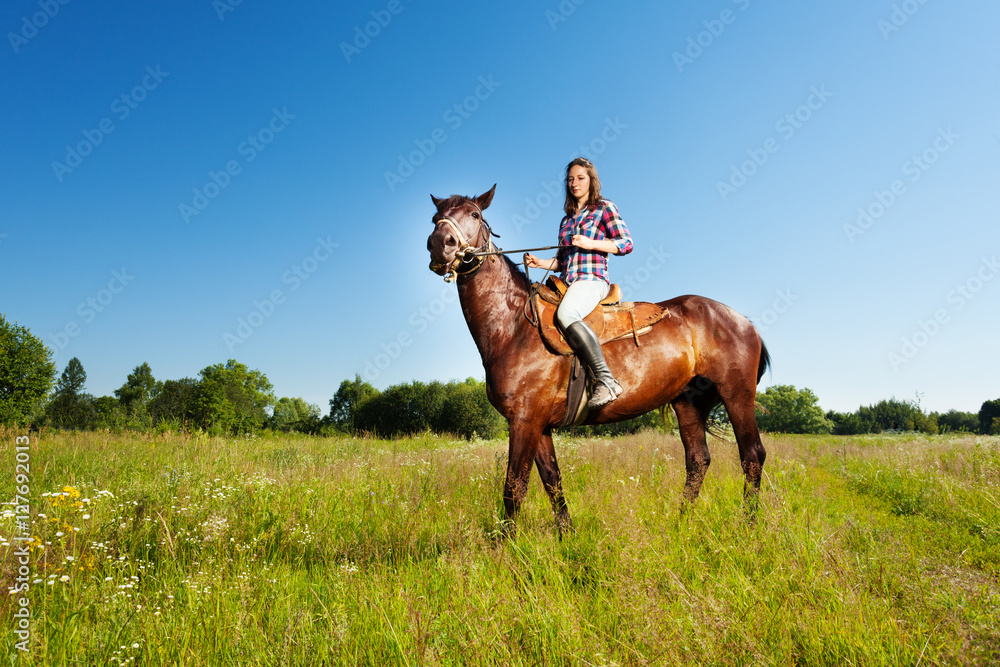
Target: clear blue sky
169,168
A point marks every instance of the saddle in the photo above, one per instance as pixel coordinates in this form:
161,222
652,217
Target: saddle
612,319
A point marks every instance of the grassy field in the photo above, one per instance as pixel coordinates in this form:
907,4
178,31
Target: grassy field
189,550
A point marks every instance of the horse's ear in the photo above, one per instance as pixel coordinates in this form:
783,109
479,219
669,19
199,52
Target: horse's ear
484,199
437,202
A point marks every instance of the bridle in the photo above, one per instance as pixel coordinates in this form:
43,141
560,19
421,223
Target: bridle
468,258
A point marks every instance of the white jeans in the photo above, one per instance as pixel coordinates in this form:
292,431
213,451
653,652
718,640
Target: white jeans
581,298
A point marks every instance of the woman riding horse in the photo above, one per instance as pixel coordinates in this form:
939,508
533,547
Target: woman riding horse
590,231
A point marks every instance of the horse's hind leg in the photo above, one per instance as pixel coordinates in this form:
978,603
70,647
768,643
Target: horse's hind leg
548,470
692,408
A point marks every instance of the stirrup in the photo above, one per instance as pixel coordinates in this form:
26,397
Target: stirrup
600,399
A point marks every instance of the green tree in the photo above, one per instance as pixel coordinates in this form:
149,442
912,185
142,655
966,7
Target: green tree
70,407
849,423
72,380
956,421
110,414
230,398
26,372
467,411
295,414
894,415
345,403
786,409
139,389
988,415
174,403
136,394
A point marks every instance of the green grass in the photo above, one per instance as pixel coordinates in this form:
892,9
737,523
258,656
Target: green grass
875,550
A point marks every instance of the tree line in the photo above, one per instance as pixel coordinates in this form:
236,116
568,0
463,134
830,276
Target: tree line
785,409
229,398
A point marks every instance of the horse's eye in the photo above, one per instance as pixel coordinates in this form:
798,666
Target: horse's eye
476,216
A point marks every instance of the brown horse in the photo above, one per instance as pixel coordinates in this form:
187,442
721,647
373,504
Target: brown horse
702,353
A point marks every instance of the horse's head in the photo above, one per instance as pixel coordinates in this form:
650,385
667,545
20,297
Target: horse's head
459,231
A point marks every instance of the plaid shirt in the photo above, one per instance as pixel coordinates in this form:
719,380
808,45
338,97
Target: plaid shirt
598,223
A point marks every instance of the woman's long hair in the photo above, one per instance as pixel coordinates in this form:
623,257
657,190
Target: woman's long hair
594,199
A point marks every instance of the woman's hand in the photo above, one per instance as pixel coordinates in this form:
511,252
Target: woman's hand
535,263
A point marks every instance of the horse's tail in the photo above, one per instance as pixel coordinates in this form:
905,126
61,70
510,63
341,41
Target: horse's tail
765,361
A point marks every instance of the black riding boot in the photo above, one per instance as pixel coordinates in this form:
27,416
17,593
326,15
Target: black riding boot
584,342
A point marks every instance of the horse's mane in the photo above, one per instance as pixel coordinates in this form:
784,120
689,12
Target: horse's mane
515,271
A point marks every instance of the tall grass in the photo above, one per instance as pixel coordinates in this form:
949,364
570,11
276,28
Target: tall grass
297,550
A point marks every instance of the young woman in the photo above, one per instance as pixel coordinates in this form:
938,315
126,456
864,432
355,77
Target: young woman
590,231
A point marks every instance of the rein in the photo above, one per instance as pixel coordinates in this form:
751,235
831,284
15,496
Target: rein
501,251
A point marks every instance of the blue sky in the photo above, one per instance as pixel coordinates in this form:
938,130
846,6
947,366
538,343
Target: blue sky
188,182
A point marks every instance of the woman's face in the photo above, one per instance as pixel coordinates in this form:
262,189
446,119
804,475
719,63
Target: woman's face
578,182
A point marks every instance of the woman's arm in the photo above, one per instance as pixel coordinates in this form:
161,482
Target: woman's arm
536,263
604,245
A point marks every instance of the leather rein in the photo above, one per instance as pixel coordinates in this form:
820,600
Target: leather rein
469,259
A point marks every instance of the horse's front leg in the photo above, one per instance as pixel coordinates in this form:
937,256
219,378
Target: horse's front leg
523,445
548,470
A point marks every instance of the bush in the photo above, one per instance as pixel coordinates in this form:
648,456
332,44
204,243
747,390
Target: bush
785,409
953,420
989,417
